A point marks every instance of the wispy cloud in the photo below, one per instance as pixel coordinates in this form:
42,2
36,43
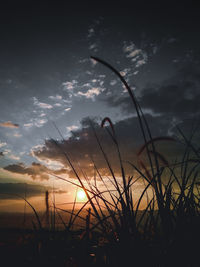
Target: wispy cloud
125,71
8,153
113,82
128,48
134,53
93,47
40,122
67,109
2,144
41,104
86,85
28,125
90,32
94,62
91,93
57,105
44,105
42,115
13,157
137,56
140,63
9,124
72,128
17,135
69,85
56,97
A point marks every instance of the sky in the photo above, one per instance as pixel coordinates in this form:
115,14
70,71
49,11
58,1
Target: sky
49,85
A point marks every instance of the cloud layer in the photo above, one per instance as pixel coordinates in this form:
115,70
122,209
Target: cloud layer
82,147
9,124
15,190
11,190
36,171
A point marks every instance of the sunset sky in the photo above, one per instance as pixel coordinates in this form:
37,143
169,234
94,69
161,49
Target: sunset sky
47,79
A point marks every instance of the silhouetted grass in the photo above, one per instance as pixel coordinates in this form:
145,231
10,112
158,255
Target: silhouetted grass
156,235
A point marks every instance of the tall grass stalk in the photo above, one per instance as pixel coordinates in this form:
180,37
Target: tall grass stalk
156,234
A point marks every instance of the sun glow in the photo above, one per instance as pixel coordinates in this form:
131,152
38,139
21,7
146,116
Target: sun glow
81,196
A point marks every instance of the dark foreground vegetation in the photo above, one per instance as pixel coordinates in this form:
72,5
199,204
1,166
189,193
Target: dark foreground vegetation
116,233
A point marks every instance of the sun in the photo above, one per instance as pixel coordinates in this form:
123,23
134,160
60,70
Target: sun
81,196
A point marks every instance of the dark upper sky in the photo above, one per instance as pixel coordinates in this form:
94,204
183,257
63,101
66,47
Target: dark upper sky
46,75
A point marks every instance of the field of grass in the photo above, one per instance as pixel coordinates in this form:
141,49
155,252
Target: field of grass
115,232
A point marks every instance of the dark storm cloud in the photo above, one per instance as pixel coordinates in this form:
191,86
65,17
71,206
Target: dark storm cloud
35,171
177,97
82,145
10,190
